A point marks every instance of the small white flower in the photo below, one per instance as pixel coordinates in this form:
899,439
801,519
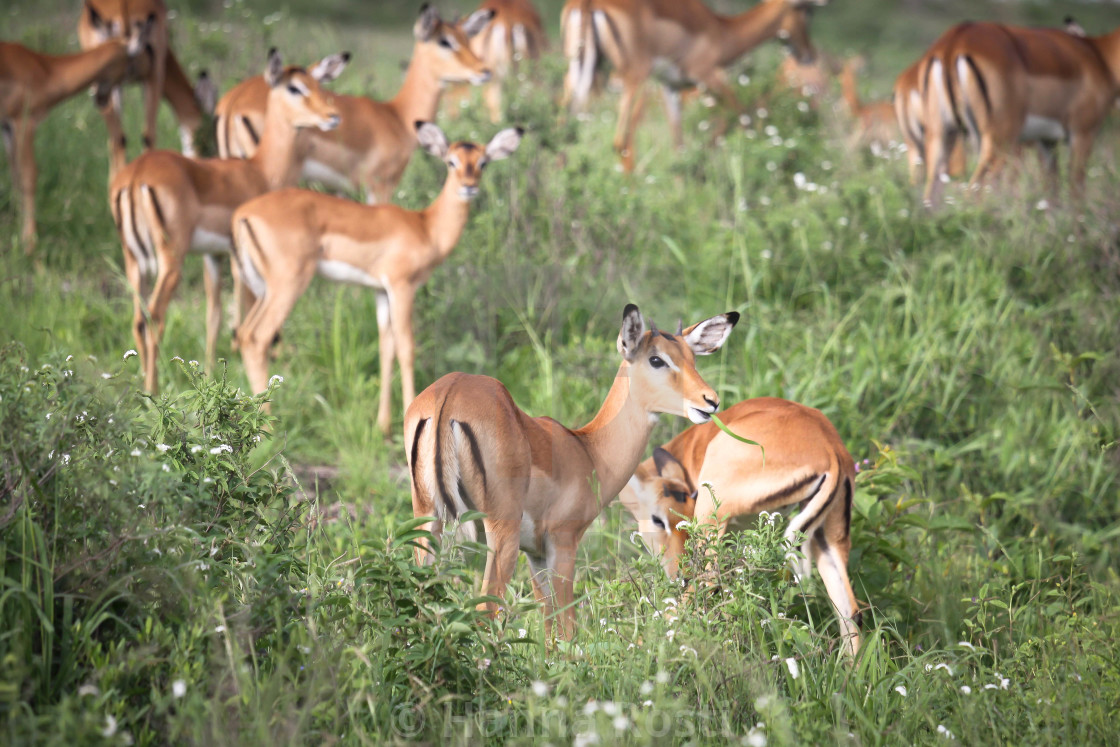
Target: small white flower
591,707
195,449
794,668
620,723
646,688
755,738
662,677
762,702
193,363
521,632
48,416
901,690
220,629
178,688
136,452
177,359
276,379
220,448
540,689
610,708
66,459
106,375
110,726
669,602
88,690
990,686
944,732
670,634
583,739
966,689
162,447
688,650
166,467
129,354
647,703
799,180
1042,205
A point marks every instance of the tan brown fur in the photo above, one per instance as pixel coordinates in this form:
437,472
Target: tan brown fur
802,462
539,483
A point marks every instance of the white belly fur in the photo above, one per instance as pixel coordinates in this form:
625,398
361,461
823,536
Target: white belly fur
1042,128
316,171
209,242
529,535
341,272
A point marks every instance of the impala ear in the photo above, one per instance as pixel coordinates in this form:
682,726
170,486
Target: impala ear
206,93
426,25
330,67
708,336
476,22
668,466
432,139
633,327
275,69
95,18
504,143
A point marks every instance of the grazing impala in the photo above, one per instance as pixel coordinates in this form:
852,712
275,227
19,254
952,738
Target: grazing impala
680,42
515,33
910,115
874,121
31,84
805,463
284,238
375,141
158,70
539,483
166,205
1004,85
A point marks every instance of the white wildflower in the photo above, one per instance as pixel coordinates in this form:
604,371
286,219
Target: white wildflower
276,379
136,452
195,449
647,703
901,690
610,708
220,448
621,723
945,732
106,375
646,688
585,738
794,668
129,354
88,690
590,708
966,689
755,738
521,632
110,726
686,649
220,629
162,447
540,689
670,634
178,688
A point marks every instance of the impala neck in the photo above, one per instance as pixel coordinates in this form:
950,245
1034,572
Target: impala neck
617,436
72,72
447,216
418,98
851,94
747,30
1109,48
277,158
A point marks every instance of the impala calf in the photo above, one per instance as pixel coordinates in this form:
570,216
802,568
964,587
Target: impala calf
284,238
680,42
167,205
875,121
539,483
31,84
515,33
805,464
375,141
158,70
1006,84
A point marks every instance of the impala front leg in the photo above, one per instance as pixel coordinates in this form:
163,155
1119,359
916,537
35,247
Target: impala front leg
111,113
629,113
213,284
153,94
387,354
28,174
501,559
400,312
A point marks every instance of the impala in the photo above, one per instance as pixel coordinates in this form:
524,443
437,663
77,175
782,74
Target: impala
515,33
158,70
810,79
375,141
680,42
284,238
31,84
875,121
539,483
166,205
1005,84
802,462
910,116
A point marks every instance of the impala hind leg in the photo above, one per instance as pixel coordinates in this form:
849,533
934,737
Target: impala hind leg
212,280
501,559
629,114
263,323
830,547
25,170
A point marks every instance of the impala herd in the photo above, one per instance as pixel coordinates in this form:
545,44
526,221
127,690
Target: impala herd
468,446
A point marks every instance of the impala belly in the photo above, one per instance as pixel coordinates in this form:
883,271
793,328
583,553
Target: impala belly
317,171
1042,128
669,73
209,242
342,272
529,535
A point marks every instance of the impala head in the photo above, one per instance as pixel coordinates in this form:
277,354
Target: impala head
134,35
661,496
297,93
113,21
794,29
446,48
465,161
1072,27
662,367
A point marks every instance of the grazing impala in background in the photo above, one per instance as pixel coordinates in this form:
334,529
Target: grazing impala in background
680,42
874,121
158,70
167,205
539,483
31,84
515,33
283,239
375,141
1003,85
805,464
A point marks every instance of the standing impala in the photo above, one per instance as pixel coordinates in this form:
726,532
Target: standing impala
875,121
166,205
802,462
680,42
284,238
515,33
158,70
31,84
1005,84
374,143
539,483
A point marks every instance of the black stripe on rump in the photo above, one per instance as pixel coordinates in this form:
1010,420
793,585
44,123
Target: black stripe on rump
441,488
132,224
416,449
781,497
476,457
252,132
813,517
847,507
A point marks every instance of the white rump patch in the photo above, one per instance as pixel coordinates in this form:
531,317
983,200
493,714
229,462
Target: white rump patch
529,534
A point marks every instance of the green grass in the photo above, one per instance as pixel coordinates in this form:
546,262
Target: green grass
970,354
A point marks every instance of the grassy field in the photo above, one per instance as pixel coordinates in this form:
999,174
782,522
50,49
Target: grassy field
265,593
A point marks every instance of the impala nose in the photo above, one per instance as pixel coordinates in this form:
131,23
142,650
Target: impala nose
483,76
713,401
332,122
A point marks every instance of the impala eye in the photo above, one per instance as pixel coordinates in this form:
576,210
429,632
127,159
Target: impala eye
657,522
445,43
656,362
294,91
